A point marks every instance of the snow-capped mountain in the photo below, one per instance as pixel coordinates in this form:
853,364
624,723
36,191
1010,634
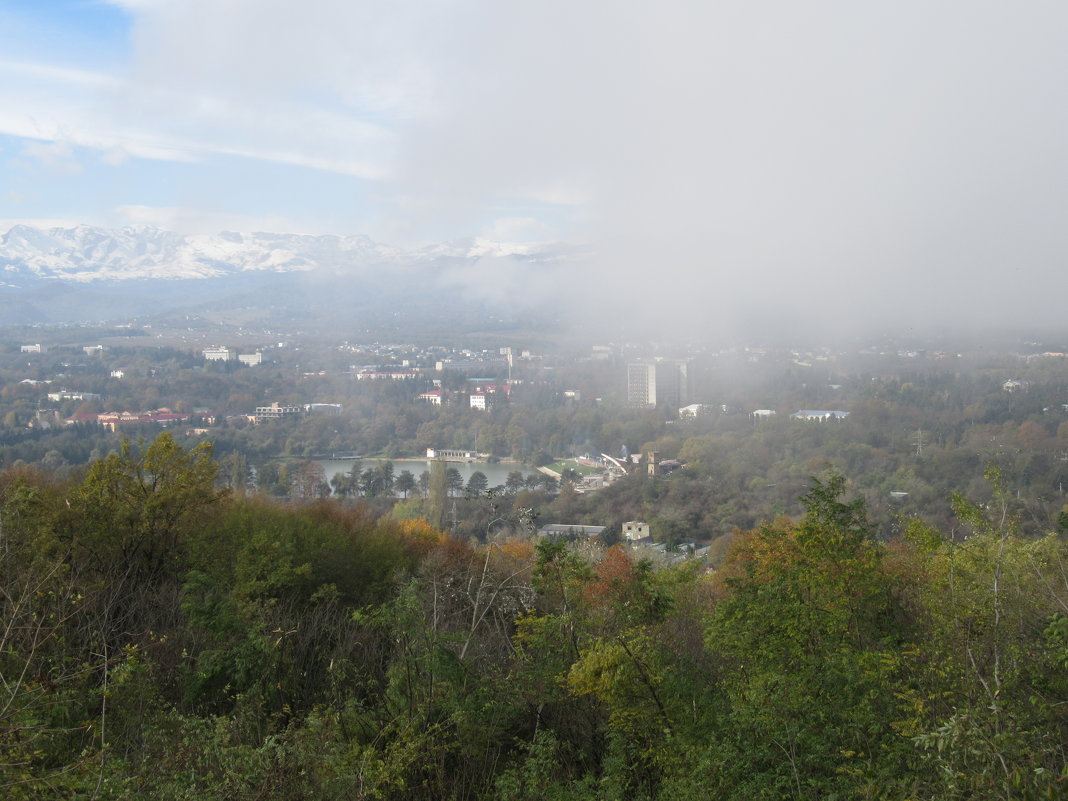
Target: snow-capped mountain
87,273
87,253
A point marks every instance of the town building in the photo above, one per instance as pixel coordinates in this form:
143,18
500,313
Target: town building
451,455
276,411
694,410
385,373
662,381
66,394
322,408
641,384
478,365
218,354
570,531
819,415
164,417
250,359
636,531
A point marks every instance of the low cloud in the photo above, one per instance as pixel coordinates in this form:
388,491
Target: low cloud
57,157
196,220
735,167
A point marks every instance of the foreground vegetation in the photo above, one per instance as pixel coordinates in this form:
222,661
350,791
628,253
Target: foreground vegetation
163,638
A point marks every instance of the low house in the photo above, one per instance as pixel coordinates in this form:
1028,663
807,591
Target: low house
322,408
66,394
694,410
451,455
636,531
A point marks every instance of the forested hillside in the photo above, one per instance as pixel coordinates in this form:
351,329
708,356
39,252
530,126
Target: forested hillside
163,638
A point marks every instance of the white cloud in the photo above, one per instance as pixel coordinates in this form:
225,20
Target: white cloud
6,224
67,75
130,115
851,159
517,229
135,5
196,220
55,156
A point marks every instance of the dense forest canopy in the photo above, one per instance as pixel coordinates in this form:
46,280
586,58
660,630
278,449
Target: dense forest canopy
167,638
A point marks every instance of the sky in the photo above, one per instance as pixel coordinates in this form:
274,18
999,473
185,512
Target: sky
826,164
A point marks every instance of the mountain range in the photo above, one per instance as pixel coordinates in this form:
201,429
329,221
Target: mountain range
88,273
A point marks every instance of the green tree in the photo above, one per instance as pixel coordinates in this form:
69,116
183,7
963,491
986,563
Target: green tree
802,636
514,482
138,507
991,683
477,484
454,481
405,483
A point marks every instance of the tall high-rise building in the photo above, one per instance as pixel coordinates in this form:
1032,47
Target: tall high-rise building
663,381
641,384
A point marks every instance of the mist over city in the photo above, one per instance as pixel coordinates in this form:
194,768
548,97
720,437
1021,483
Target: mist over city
786,168
471,400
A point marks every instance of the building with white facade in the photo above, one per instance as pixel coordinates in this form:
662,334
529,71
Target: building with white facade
386,374
322,408
819,415
218,354
276,411
66,394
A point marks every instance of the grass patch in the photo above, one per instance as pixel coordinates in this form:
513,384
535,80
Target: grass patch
578,467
